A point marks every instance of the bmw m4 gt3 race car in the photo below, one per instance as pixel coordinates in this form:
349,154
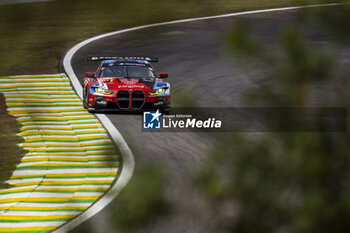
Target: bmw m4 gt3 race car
126,83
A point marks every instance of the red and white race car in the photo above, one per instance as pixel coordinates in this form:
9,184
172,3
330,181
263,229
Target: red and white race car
126,83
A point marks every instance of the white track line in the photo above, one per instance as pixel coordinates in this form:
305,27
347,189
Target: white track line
127,156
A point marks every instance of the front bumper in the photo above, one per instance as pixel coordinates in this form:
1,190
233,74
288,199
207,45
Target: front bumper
129,104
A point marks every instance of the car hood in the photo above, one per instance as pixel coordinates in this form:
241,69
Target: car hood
127,83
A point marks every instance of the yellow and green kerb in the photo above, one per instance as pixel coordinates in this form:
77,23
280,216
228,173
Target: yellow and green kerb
70,160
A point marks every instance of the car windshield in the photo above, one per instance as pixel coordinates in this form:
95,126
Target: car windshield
140,71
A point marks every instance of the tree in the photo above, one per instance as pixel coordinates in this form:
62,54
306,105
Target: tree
284,182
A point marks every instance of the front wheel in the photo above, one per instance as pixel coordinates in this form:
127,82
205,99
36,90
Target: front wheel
85,100
91,110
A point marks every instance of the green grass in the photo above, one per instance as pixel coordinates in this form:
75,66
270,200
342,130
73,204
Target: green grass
10,152
34,36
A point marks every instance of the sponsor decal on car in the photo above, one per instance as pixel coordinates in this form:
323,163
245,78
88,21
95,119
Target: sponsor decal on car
132,86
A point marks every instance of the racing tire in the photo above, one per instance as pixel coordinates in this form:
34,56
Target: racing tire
85,99
91,110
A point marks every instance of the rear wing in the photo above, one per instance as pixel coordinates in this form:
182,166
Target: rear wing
99,58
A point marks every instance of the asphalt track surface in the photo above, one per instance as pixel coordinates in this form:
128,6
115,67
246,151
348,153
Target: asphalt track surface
193,55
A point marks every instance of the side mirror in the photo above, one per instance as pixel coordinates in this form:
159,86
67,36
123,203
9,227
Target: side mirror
163,75
90,74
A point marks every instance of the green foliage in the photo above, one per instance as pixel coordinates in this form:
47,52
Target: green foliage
283,182
295,68
333,21
184,98
241,42
302,64
142,201
295,182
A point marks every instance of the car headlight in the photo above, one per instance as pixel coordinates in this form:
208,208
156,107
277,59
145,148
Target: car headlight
157,91
104,91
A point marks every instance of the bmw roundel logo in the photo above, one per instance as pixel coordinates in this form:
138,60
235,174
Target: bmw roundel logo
130,89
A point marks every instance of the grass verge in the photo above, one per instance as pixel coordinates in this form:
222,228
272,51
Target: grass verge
34,36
